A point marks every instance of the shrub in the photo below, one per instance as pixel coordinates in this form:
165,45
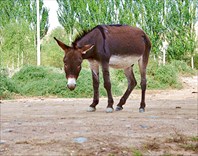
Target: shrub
161,77
196,60
45,81
7,86
182,67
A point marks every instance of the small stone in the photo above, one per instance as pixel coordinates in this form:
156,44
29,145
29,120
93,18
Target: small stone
143,126
80,140
28,105
2,142
8,130
128,126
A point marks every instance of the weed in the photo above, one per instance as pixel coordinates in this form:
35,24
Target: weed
190,146
177,138
136,152
152,146
195,138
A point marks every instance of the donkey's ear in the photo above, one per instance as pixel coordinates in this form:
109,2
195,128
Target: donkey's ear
86,48
62,45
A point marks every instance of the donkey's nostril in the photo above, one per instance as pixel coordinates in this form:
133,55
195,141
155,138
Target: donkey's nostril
71,87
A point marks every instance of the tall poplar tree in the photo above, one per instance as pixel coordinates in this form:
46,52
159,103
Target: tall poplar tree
18,31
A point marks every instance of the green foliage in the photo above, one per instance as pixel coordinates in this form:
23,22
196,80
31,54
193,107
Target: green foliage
7,86
46,81
17,47
171,21
20,10
196,60
137,153
182,67
51,53
43,81
158,76
18,31
167,76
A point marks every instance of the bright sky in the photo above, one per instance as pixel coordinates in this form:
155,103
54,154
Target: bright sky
52,5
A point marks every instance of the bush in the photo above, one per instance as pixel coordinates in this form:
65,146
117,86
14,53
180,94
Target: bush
161,77
45,81
7,86
182,67
196,60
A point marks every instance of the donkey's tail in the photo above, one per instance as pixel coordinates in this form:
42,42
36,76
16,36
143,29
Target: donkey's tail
147,48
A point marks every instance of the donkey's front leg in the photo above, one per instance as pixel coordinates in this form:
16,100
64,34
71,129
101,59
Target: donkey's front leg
95,77
107,86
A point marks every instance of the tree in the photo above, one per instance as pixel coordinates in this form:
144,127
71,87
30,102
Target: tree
181,33
17,46
17,23
23,10
164,21
51,54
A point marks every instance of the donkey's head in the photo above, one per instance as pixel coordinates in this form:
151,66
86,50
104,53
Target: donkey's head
72,61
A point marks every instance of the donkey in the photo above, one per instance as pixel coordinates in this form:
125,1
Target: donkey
117,46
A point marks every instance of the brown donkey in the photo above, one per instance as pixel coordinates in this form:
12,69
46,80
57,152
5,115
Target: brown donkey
117,46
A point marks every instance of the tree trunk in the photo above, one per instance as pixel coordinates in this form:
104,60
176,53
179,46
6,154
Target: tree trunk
164,57
192,62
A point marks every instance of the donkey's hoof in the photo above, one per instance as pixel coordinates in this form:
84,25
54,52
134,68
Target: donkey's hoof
109,110
91,109
141,110
119,108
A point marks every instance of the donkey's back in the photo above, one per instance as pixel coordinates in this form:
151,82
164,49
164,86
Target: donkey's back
124,40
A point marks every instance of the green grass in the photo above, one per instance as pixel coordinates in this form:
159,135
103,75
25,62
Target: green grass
137,152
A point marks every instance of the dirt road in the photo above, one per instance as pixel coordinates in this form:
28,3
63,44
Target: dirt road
54,126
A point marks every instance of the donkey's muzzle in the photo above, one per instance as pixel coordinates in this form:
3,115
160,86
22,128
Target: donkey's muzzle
71,84
71,87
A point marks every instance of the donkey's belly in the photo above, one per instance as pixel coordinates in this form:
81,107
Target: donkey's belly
123,61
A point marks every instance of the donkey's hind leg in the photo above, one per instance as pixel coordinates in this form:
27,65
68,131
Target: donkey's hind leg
131,84
143,83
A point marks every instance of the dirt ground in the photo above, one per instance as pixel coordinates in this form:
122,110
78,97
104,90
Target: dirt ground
58,126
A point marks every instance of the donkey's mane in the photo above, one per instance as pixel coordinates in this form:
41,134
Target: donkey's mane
80,35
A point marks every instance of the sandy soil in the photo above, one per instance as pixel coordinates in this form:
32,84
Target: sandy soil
54,126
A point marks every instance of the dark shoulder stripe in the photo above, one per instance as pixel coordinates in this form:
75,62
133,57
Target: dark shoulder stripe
102,31
103,36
